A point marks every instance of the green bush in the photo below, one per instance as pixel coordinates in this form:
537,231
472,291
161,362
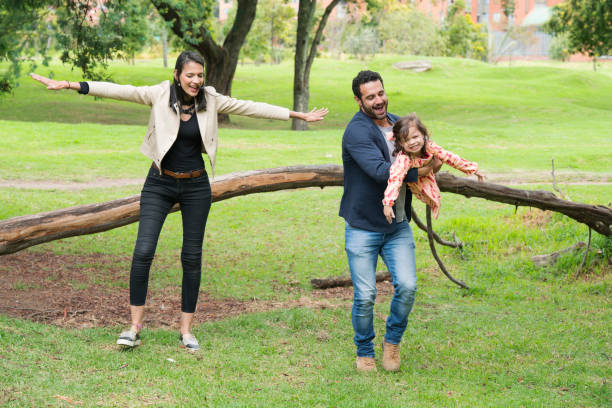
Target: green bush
559,48
407,30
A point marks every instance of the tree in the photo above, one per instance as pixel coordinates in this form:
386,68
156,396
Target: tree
276,18
588,24
559,48
508,7
92,34
190,21
465,38
361,41
306,44
23,29
88,33
404,29
270,32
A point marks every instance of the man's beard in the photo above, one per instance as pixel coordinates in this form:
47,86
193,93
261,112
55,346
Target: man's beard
370,111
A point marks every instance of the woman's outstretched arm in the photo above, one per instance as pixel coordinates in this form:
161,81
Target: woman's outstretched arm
54,85
139,94
314,115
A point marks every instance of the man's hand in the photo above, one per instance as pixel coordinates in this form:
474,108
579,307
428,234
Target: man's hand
434,165
389,214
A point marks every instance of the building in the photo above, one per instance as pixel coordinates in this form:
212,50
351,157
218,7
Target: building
529,15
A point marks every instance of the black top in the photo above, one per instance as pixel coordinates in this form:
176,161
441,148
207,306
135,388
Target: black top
186,153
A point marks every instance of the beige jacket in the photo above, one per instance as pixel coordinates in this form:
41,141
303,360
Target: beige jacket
164,123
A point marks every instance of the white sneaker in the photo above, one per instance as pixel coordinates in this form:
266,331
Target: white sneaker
129,339
189,342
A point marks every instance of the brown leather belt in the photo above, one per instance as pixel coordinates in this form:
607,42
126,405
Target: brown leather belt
187,175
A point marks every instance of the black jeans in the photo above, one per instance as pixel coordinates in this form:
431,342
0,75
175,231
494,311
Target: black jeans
159,194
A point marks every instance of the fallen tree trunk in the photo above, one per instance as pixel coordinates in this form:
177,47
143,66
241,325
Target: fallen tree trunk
550,259
22,232
598,217
326,283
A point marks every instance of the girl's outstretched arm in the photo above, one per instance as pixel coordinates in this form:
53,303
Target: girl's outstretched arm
452,159
54,85
455,161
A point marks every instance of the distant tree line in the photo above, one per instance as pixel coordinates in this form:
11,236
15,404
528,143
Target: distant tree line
87,34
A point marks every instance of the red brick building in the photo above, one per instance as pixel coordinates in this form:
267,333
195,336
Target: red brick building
528,14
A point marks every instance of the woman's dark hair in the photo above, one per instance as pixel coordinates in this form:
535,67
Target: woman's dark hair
363,77
176,92
400,132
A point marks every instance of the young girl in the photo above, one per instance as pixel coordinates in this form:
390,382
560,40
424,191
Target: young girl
414,149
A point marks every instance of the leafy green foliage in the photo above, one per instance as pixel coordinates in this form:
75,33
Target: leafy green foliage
361,41
91,36
194,18
559,47
272,32
23,33
588,24
508,7
465,38
404,29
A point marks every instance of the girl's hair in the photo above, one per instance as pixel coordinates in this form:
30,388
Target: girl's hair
400,132
176,92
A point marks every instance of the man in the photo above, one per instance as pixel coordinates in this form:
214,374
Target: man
367,157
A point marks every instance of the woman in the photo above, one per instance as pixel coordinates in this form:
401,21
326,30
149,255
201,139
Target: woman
182,126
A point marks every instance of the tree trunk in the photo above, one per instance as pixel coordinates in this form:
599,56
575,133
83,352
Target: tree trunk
221,61
22,232
598,217
341,281
305,53
164,38
306,10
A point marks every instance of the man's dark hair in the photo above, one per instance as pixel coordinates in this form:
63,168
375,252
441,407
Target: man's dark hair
363,77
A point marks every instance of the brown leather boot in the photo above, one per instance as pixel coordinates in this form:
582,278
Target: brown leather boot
365,364
391,356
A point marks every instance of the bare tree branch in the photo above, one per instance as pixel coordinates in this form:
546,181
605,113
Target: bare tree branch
456,244
432,246
586,252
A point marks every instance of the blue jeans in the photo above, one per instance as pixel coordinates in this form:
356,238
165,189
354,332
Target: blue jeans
159,194
397,251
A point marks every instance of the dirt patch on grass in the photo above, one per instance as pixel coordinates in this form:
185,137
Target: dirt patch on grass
91,291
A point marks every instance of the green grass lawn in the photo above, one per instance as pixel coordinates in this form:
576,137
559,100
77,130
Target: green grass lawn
520,337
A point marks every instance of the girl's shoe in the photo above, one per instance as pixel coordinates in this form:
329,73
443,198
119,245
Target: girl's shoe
129,339
189,342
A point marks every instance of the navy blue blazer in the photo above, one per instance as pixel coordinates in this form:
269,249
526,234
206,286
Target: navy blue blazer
366,161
